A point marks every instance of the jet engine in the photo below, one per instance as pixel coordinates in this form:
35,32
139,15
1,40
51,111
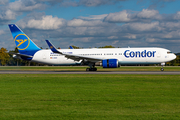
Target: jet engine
110,63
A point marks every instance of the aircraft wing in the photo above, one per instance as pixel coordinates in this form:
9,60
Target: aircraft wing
72,56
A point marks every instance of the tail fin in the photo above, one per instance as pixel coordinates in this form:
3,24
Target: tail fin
25,45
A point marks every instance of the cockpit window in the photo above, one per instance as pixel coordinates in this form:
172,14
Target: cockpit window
169,52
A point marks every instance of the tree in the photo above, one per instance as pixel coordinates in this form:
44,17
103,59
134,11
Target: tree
75,47
175,62
14,61
107,46
4,56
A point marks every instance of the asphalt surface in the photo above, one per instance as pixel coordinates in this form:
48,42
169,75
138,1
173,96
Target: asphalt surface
93,72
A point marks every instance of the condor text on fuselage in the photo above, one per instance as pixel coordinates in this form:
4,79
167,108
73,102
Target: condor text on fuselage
139,54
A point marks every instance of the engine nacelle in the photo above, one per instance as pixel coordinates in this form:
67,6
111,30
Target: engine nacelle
110,63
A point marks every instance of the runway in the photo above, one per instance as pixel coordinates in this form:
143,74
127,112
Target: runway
93,72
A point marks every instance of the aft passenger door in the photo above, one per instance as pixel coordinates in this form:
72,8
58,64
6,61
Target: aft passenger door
44,56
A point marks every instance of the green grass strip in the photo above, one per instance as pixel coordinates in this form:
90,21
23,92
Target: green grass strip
104,97
83,68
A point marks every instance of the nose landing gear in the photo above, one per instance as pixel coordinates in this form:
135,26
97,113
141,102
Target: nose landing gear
162,64
162,69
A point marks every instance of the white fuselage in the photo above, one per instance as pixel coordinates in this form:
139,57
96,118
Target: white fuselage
123,55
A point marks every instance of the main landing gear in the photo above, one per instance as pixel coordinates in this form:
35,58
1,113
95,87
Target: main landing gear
92,68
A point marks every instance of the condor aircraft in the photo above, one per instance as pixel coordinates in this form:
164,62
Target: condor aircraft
107,58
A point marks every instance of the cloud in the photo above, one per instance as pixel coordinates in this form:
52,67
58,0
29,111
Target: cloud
84,23
25,5
161,3
45,23
145,15
7,15
11,10
94,17
89,3
3,2
143,27
122,16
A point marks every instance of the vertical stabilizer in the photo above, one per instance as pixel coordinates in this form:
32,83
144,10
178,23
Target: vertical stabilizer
24,44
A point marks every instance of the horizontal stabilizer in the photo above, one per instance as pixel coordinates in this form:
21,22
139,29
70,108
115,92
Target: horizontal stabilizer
23,55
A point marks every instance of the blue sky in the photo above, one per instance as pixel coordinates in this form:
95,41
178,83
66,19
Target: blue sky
93,23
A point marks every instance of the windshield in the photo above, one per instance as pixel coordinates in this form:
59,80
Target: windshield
169,52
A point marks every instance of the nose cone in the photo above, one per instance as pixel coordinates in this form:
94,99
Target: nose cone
174,56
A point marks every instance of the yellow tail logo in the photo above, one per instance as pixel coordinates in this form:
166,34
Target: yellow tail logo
21,42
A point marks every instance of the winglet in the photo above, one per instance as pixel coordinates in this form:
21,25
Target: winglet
71,47
52,47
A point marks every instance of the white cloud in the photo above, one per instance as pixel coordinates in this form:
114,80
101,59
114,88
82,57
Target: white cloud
122,16
150,39
154,26
172,35
46,23
130,36
88,3
8,15
115,42
83,23
171,25
177,16
113,37
94,17
24,5
148,14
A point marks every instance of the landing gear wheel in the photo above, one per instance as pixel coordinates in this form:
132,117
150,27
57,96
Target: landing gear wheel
91,69
162,69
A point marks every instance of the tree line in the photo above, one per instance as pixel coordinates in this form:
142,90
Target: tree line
7,59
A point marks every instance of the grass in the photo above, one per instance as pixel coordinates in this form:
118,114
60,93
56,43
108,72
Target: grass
75,97
83,68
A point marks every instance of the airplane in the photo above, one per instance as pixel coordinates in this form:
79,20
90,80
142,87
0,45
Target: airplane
105,57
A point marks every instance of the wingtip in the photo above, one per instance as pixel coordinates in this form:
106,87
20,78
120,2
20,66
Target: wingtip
52,47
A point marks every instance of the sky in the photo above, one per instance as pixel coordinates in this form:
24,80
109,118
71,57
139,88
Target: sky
93,23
